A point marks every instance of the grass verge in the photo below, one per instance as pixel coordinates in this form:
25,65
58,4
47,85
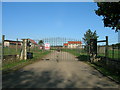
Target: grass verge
106,72
85,58
17,64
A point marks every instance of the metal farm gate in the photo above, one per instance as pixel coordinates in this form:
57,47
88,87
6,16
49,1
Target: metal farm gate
59,44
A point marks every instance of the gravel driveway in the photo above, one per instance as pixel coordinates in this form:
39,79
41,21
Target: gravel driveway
57,70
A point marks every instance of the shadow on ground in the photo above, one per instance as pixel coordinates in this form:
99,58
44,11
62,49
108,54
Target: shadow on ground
46,79
49,78
29,79
83,58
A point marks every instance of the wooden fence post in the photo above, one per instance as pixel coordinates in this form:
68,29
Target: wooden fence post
16,45
22,51
3,38
25,49
113,51
106,49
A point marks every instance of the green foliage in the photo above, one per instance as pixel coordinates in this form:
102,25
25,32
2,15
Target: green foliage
89,35
111,14
117,44
81,54
41,42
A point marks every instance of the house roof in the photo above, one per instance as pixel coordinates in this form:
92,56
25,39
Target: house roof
74,42
32,41
65,44
19,42
14,42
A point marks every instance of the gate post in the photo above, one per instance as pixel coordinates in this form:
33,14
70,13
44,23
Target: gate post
106,49
3,38
24,50
93,49
17,46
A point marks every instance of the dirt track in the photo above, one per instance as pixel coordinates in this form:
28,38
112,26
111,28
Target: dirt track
57,70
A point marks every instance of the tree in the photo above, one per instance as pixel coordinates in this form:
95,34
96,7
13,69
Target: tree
111,14
41,42
87,36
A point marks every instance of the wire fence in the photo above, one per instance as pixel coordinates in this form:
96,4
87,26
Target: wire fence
11,50
113,51
13,54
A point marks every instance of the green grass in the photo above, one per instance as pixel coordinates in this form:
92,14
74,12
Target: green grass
75,52
11,51
106,72
116,54
17,64
80,54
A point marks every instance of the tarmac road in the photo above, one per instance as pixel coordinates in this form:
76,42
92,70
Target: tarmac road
57,70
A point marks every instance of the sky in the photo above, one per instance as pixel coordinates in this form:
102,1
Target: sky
37,20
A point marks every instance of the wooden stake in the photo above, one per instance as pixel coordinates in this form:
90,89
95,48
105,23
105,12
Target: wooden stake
16,45
25,50
3,38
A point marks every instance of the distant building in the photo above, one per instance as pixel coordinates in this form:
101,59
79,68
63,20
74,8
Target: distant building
33,43
10,43
73,44
65,44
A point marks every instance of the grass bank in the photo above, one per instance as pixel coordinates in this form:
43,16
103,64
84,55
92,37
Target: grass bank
17,64
106,72
82,56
